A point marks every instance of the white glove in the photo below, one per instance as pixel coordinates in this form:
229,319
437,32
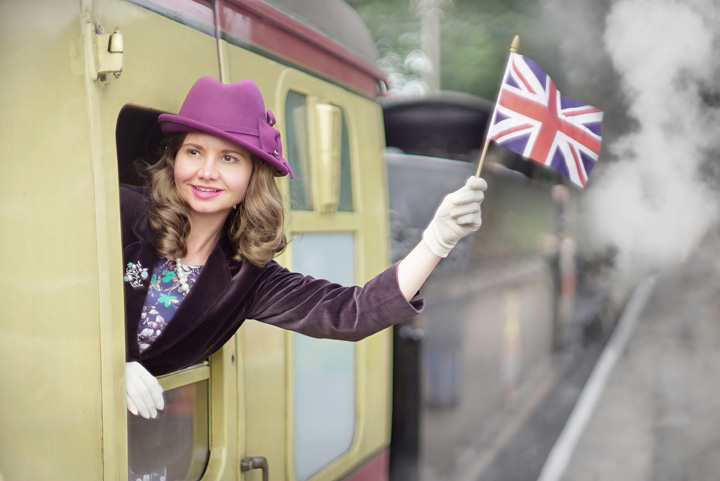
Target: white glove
144,393
458,215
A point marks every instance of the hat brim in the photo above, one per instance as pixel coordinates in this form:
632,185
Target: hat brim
174,124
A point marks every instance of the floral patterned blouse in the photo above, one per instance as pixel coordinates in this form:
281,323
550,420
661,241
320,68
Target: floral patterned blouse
163,299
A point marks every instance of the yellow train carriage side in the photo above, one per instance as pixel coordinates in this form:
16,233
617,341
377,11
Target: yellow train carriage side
62,394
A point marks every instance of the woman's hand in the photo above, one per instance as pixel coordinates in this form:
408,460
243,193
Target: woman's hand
144,393
458,215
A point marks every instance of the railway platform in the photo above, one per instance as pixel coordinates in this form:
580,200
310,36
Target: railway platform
656,412
646,406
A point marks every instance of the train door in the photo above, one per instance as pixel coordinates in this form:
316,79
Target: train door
317,409
166,46
55,297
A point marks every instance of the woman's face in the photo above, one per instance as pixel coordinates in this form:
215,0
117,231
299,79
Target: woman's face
211,174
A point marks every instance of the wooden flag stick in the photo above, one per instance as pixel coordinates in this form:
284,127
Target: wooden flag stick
513,49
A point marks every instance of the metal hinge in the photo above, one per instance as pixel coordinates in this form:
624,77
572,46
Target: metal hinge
104,52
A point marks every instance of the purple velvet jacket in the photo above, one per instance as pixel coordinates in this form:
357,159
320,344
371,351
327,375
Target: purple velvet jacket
228,291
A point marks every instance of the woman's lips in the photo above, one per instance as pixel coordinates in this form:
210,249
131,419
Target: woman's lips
203,192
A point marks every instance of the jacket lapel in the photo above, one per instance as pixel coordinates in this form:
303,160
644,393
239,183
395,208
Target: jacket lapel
137,255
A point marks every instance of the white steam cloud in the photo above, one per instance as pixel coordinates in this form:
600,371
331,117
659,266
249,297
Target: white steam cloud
650,199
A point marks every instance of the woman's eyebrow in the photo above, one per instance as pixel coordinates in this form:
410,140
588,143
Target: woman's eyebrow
196,146
230,151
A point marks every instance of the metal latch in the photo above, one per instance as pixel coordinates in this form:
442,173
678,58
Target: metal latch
257,462
106,52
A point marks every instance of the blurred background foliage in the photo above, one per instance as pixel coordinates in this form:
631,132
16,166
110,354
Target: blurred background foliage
475,36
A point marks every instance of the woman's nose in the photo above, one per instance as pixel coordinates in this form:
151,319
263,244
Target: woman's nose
208,170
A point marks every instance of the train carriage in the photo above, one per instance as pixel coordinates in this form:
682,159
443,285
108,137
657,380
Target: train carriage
82,85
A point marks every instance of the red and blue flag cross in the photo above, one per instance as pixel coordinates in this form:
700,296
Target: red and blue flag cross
532,118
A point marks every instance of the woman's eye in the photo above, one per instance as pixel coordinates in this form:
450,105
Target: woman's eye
229,158
193,152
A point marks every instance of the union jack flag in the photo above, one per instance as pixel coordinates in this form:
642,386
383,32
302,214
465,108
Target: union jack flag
532,118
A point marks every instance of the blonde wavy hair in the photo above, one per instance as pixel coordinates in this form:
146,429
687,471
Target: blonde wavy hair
254,228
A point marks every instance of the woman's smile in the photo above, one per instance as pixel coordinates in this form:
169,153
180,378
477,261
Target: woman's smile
203,192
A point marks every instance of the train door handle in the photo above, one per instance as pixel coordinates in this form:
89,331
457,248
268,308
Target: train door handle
256,462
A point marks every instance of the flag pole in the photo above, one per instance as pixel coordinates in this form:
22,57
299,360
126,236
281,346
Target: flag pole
513,49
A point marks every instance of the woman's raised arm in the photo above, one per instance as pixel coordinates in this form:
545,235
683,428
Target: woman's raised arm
459,214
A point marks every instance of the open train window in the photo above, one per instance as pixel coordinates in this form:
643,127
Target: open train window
137,137
317,135
297,150
175,445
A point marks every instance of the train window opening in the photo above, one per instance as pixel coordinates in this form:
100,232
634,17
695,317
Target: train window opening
309,188
298,151
137,139
176,444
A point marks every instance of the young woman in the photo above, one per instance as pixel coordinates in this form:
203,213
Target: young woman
198,247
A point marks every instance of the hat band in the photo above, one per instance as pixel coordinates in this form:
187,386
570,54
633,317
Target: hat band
235,129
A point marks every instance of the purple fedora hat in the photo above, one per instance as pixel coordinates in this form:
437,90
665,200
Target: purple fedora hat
234,112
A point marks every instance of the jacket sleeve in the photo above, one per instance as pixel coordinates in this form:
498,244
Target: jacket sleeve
319,308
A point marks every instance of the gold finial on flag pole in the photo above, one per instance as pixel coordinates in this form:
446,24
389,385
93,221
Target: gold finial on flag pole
513,49
515,44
